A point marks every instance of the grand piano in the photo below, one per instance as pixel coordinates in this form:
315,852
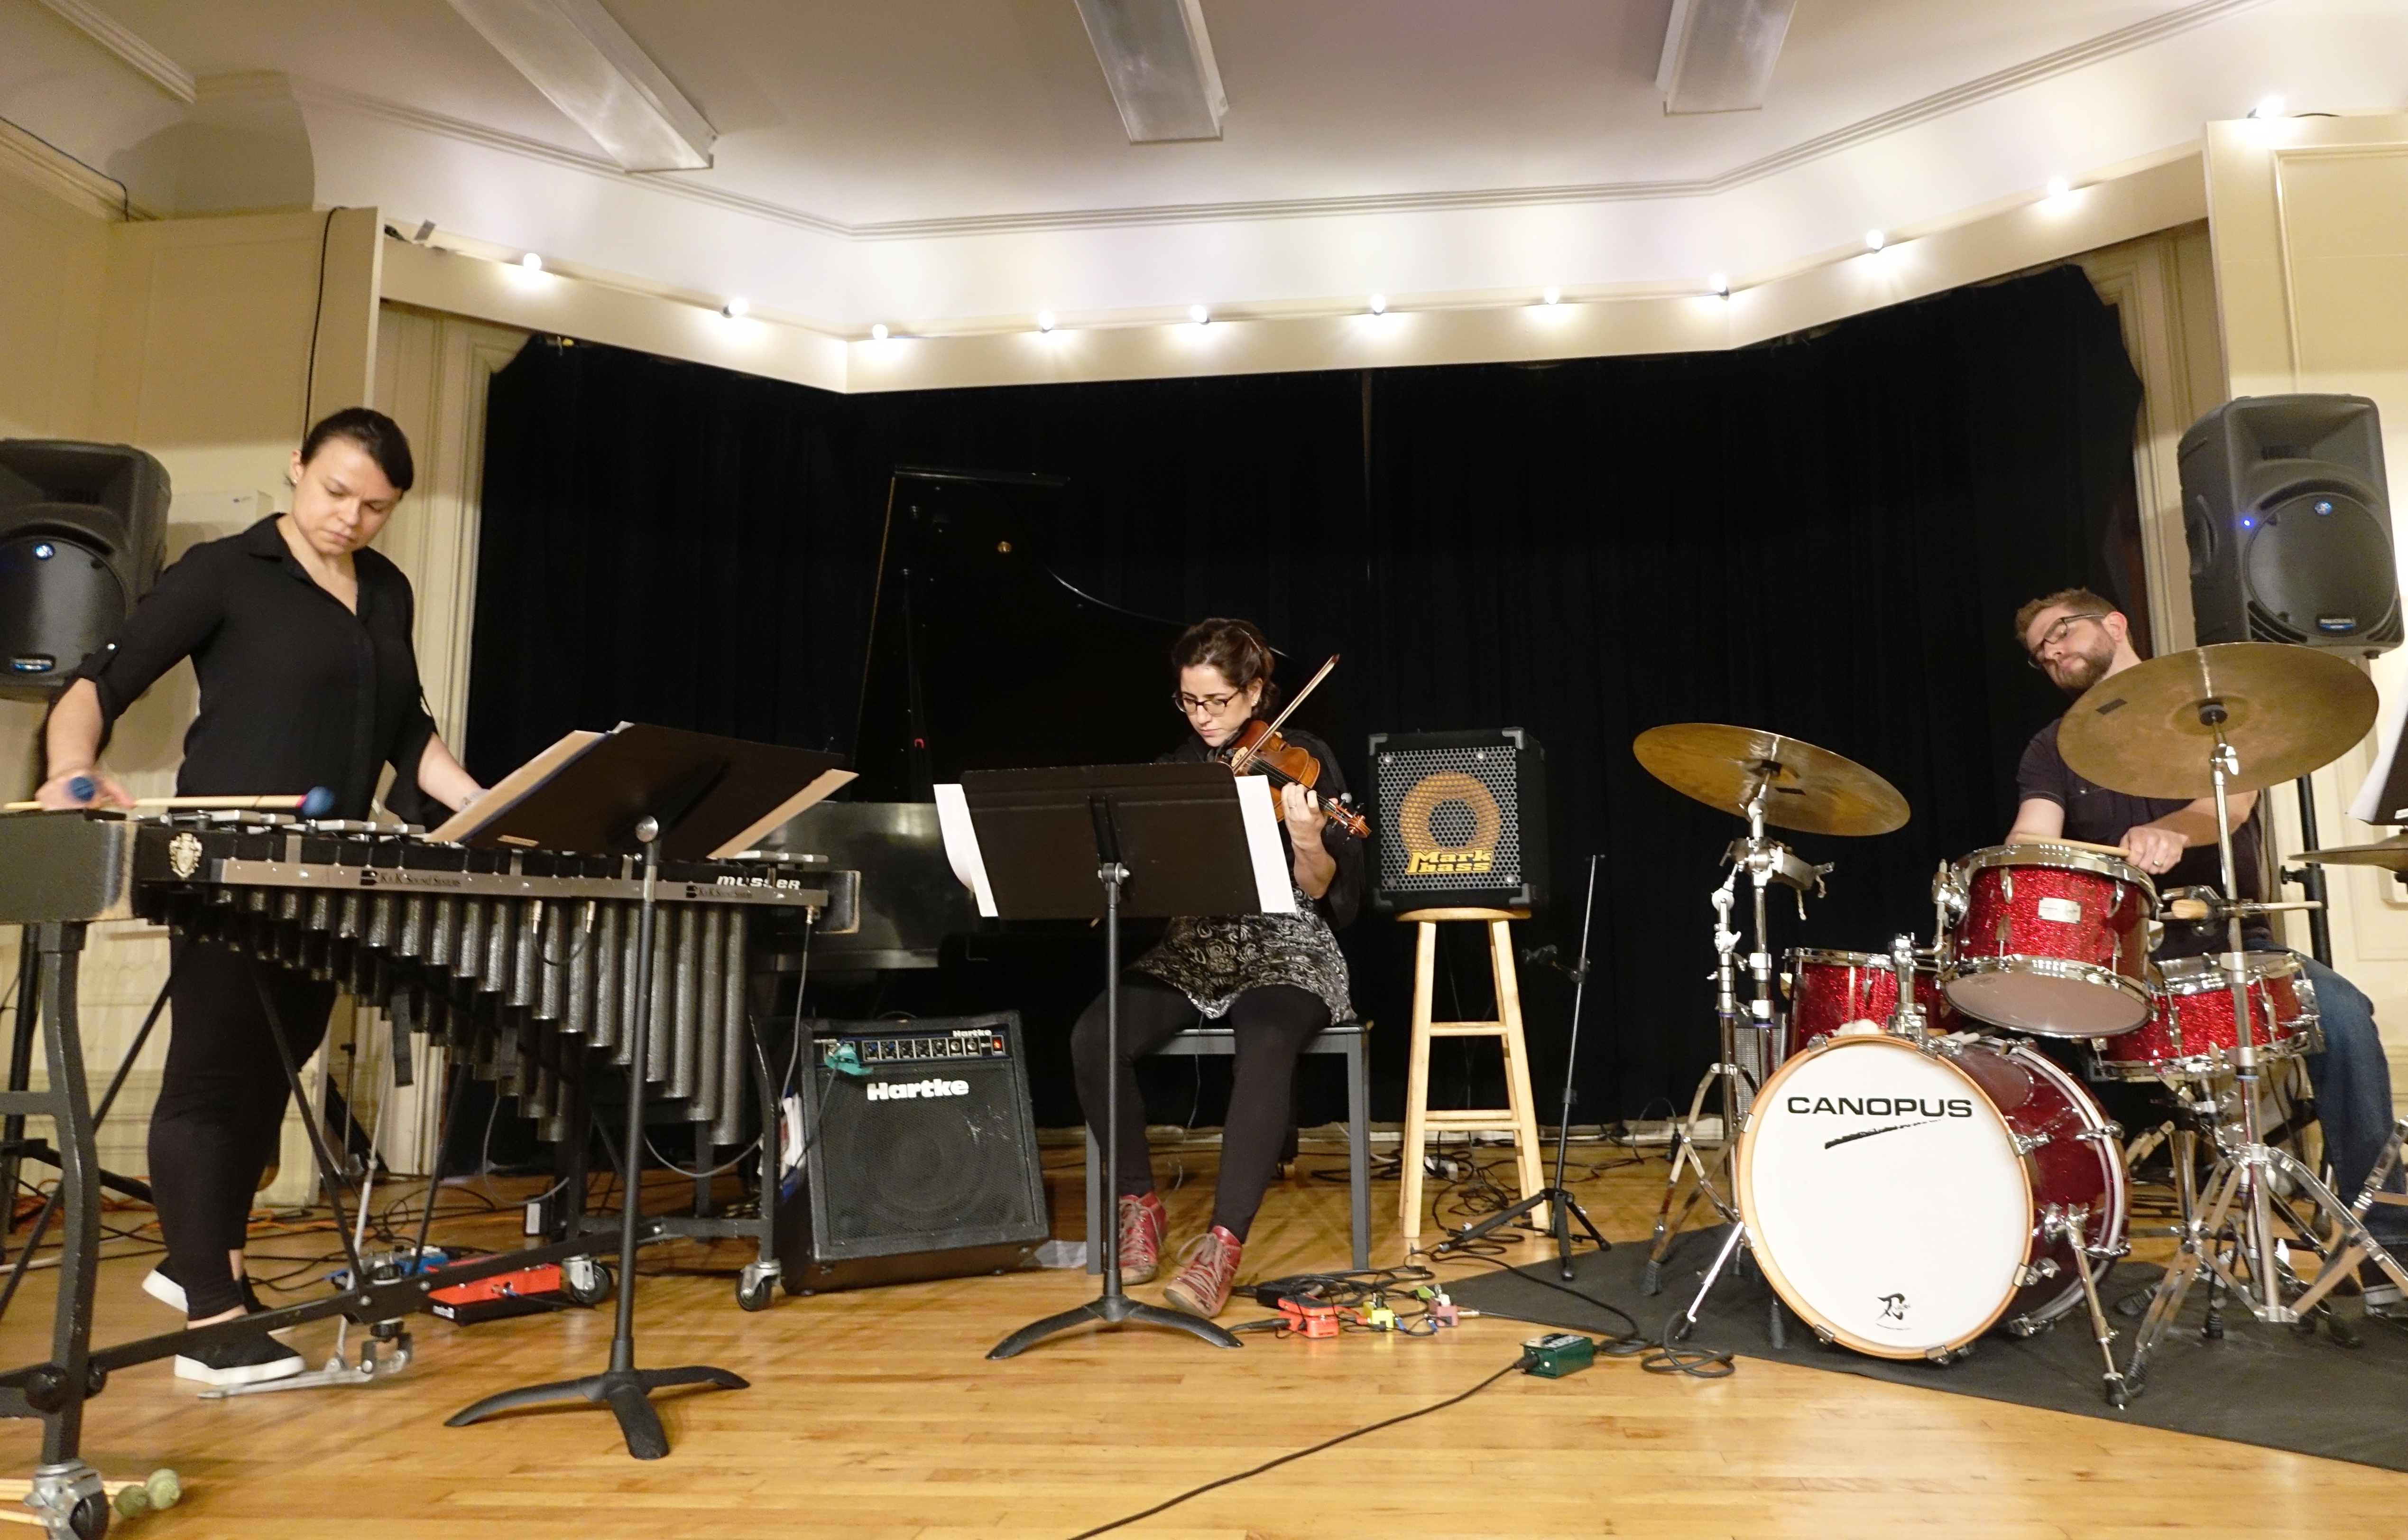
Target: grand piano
981,656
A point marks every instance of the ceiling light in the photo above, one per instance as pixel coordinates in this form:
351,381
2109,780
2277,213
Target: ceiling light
1719,54
2059,187
1875,241
877,333
531,263
2267,106
1045,321
736,308
579,57
1199,315
1157,59
1378,304
1720,283
1553,295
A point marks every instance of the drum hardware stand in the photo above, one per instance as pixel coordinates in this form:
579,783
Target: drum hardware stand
624,1388
2240,1184
1565,1208
1745,1061
2072,1225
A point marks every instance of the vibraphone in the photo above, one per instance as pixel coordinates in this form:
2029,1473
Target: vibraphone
523,962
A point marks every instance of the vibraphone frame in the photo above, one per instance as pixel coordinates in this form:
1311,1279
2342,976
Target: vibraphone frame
59,873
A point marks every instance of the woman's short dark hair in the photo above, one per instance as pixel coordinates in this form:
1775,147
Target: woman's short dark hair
1235,647
374,434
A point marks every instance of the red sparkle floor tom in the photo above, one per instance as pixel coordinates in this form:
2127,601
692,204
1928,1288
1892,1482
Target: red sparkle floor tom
2192,1031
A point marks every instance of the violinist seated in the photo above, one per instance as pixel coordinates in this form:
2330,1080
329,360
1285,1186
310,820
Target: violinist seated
1278,980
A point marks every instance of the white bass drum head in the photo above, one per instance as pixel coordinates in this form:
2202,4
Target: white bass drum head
1885,1196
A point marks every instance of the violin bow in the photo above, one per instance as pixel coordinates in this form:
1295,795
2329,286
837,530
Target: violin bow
1310,686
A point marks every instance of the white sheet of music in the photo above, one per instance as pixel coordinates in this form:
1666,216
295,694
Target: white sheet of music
1275,887
2367,808
962,846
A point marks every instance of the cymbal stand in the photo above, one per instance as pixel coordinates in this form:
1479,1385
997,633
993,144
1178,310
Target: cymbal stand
2239,1188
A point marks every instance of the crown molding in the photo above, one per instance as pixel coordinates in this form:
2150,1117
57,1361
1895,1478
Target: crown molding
129,49
54,171
1924,109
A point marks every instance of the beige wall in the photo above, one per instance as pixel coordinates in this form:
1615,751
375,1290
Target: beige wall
2310,221
191,339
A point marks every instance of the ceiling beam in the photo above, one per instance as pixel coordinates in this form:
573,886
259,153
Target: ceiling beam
144,60
1158,60
1718,54
579,56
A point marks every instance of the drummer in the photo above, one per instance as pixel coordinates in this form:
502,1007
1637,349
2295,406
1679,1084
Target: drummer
2078,638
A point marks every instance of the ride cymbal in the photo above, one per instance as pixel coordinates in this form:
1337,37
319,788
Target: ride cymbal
2391,853
1806,788
2149,730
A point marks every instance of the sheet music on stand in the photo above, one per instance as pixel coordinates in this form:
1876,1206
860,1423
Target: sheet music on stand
714,796
2383,797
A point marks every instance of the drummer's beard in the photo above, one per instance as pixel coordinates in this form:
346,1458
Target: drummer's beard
2076,671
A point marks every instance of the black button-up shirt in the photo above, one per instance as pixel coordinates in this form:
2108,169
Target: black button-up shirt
296,691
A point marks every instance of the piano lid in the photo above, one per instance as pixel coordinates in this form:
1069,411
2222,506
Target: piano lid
982,657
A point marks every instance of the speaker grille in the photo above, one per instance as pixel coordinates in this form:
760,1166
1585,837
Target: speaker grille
1452,820
926,1167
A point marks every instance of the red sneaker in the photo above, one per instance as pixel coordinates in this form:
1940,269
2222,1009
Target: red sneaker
1141,1226
1202,1287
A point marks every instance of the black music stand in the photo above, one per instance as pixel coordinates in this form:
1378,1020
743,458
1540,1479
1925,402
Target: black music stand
1146,841
640,788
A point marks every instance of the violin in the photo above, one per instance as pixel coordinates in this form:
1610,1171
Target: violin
1259,750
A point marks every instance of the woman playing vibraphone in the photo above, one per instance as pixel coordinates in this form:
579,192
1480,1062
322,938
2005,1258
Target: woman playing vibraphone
300,637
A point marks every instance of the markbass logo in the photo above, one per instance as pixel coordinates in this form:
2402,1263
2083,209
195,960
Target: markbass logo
1464,862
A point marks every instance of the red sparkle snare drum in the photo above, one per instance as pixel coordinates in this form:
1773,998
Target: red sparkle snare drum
1829,989
2192,1031
2052,940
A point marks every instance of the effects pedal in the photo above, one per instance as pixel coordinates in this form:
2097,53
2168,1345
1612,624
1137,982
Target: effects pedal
1559,1353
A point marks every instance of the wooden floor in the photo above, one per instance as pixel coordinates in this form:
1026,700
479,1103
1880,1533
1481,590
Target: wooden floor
876,1415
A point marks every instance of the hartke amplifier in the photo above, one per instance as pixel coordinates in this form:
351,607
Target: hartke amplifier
1460,819
922,1165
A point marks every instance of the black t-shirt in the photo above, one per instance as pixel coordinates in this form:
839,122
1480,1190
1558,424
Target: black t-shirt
2102,817
296,691
1344,900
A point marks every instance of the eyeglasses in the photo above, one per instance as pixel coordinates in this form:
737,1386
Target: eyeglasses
2054,635
1183,703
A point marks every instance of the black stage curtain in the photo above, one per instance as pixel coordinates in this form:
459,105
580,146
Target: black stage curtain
1828,537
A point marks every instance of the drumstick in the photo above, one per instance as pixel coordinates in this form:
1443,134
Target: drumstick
2197,909
315,804
2077,844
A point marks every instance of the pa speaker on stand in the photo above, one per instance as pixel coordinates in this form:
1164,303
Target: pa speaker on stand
84,532
2288,518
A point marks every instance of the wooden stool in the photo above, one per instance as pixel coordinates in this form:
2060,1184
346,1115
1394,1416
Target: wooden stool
1519,1117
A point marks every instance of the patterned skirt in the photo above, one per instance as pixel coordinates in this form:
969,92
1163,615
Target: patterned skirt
1212,961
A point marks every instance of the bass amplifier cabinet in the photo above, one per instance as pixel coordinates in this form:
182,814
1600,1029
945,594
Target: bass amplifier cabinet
919,1157
1461,820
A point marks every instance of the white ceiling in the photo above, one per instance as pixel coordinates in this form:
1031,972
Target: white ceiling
951,162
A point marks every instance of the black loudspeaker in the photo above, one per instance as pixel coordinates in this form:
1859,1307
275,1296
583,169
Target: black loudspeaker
919,1156
2290,524
83,531
1461,820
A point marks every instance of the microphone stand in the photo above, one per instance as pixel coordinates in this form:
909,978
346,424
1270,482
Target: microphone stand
1566,1209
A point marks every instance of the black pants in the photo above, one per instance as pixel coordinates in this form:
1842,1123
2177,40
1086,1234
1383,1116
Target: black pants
1272,1025
214,1132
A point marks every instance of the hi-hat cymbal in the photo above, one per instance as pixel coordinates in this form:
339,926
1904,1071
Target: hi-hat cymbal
1806,787
2391,853
2286,711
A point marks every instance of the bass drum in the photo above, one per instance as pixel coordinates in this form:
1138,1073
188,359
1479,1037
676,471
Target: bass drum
1899,1198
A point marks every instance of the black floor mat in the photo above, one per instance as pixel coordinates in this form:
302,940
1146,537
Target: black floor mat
2265,1385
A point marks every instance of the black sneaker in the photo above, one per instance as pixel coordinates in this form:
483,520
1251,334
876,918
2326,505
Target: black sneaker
246,1361
160,1284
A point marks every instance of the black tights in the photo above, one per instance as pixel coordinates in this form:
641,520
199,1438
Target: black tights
220,1111
1272,1025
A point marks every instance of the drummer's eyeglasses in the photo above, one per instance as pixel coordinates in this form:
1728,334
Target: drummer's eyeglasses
1181,702
2054,635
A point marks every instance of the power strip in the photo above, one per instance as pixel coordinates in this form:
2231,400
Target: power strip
1661,1132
